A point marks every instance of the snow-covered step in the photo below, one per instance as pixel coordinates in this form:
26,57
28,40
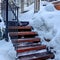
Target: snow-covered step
26,40
37,56
27,45
20,28
20,23
31,48
23,34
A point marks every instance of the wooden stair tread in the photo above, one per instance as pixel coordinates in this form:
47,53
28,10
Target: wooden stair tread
20,27
22,33
36,56
26,40
19,50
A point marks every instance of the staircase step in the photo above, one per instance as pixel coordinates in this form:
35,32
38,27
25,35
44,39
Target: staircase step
27,45
20,50
20,28
23,33
26,40
37,56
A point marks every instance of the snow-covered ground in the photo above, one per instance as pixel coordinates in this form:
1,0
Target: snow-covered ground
7,51
46,22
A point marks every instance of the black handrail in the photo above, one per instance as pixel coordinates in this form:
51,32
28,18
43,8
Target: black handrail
14,10
6,21
14,13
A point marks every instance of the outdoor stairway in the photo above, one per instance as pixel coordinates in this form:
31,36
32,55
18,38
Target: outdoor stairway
27,44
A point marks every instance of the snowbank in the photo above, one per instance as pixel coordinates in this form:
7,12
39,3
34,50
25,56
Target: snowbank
7,51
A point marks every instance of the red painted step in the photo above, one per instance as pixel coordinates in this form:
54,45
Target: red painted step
26,40
20,27
23,33
36,56
20,50
25,36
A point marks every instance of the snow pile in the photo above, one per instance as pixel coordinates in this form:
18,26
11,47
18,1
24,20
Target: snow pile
7,51
44,2
50,7
2,29
44,28
54,19
47,23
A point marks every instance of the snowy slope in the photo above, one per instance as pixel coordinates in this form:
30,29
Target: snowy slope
7,51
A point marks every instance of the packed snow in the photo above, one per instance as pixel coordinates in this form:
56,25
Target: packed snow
46,22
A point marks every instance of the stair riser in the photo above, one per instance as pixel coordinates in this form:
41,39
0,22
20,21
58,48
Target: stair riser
31,49
17,30
38,56
19,37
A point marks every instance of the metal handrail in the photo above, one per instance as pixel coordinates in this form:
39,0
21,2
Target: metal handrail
16,10
14,13
14,4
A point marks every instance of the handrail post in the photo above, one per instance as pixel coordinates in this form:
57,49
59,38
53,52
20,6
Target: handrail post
17,14
6,20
